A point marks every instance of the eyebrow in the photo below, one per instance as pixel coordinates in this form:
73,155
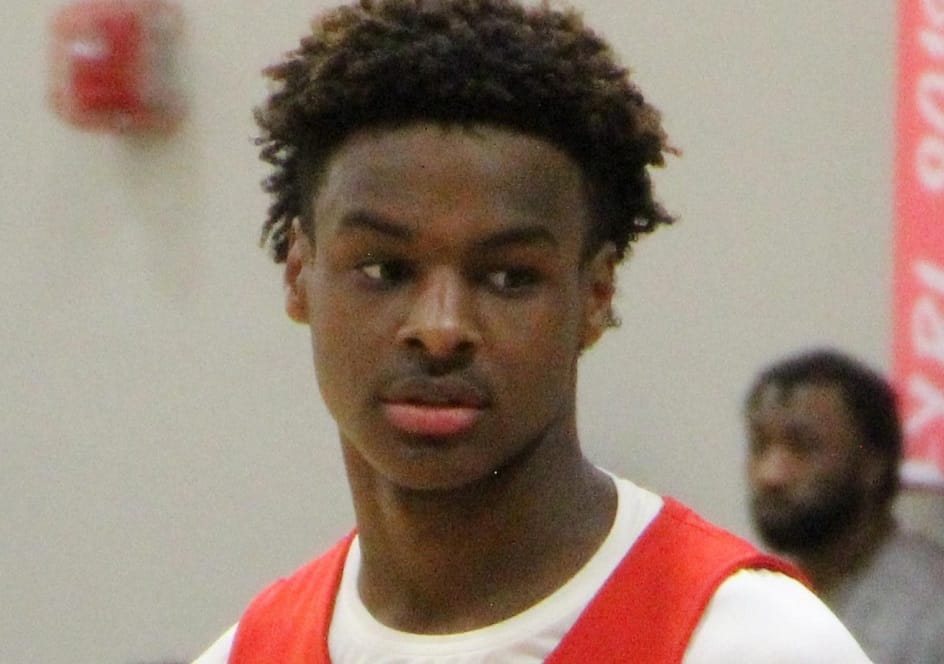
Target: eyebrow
366,220
522,235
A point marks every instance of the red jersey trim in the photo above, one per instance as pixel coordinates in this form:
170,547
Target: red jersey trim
645,613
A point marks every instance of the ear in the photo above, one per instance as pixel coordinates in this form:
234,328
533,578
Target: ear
600,285
299,253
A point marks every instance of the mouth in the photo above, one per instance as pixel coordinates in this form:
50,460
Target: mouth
772,506
434,407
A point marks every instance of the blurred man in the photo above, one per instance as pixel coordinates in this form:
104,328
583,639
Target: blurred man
454,183
825,443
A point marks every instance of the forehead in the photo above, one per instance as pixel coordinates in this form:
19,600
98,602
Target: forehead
818,405
476,173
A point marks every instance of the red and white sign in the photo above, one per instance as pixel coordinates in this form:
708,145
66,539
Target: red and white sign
113,64
918,358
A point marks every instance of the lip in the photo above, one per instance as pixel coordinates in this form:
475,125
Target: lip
436,407
424,420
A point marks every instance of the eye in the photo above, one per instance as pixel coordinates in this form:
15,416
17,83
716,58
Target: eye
805,444
511,280
756,444
385,273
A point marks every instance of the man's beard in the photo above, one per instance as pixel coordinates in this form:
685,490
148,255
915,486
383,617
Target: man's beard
795,527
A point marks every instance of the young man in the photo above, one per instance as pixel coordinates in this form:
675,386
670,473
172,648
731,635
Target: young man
454,184
823,471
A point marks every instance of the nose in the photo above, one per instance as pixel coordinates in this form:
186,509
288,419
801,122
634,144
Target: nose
441,317
775,467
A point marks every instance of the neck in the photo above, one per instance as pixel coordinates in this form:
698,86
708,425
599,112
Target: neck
451,561
828,564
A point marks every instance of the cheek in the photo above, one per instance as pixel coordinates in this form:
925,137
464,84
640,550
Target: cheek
554,321
835,476
537,352
546,337
337,318
815,484
344,345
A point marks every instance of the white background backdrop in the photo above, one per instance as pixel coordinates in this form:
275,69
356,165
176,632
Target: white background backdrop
164,451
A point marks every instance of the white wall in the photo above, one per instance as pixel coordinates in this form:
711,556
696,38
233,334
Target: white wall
164,452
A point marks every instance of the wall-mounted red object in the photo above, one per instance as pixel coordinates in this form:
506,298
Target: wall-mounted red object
114,64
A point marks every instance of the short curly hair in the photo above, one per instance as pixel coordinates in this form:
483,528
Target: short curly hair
535,70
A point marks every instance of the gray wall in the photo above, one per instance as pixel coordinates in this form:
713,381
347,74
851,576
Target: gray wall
164,449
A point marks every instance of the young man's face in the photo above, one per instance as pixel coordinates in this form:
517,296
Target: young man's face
807,469
448,300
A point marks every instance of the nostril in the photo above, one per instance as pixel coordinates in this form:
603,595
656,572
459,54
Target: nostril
439,337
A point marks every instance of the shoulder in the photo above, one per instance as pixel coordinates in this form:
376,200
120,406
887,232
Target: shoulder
915,555
312,584
893,603
766,616
218,653
904,580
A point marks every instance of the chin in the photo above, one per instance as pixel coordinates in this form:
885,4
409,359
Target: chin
423,474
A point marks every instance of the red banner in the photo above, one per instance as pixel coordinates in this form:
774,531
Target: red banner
918,358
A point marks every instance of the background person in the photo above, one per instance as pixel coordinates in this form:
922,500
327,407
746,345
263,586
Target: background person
825,445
